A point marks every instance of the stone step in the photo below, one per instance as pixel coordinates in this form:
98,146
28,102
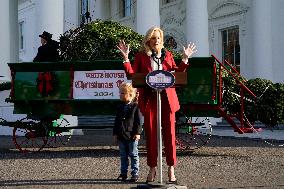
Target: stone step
107,120
107,131
224,123
94,122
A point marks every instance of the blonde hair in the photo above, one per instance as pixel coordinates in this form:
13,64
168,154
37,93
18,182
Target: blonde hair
130,90
145,42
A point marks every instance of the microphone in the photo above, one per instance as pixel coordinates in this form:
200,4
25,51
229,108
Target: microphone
163,53
154,54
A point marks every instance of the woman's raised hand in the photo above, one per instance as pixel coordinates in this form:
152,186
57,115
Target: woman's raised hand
124,49
189,51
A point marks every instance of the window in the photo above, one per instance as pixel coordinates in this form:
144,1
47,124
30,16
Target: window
231,47
85,13
126,8
21,35
85,6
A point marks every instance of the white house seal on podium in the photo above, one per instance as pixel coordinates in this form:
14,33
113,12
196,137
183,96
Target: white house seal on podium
160,79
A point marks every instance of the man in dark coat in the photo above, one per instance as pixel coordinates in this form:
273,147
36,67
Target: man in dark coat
48,51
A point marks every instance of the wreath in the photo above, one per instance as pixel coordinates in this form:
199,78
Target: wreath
46,83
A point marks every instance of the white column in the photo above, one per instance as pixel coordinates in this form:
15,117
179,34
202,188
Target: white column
148,15
197,26
50,17
71,18
262,39
9,53
9,36
99,9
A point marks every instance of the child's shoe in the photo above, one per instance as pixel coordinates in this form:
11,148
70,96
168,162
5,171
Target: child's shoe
122,177
134,178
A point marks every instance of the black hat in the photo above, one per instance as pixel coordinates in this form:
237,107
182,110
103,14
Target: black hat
46,35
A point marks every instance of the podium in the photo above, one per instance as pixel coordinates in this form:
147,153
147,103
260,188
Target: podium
164,80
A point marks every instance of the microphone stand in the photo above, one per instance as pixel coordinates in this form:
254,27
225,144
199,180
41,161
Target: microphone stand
159,126
159,139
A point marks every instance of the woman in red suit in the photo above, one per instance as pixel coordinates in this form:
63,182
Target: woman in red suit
144,62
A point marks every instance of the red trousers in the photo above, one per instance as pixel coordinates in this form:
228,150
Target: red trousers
168,130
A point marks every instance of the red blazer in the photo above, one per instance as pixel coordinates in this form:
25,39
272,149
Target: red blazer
142,64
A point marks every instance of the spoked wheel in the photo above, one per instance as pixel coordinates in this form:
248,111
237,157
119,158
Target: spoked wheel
29,135
192,132
59,133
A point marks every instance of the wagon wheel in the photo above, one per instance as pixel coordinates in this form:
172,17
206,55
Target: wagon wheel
59,133
29,135
192,132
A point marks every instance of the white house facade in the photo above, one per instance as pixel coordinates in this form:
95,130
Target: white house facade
246,33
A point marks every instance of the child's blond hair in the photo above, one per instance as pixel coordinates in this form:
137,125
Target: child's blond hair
129,89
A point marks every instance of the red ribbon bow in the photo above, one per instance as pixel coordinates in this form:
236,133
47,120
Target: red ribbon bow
45,83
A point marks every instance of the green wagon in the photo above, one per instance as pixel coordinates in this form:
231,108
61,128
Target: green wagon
45,91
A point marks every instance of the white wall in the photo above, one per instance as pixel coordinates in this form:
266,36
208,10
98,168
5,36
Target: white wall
278,40
9,51
6,113
49,17
8,37
71,14
174,24
37,18
100,9
31,39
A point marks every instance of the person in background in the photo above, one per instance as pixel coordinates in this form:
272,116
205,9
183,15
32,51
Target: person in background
48,51
144,62
127,130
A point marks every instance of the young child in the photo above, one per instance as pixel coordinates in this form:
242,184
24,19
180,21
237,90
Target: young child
127,130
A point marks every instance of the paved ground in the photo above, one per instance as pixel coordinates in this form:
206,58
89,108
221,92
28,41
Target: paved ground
92,161
262,133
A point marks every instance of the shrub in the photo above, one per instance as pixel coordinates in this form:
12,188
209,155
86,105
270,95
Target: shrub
268,107
97,41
